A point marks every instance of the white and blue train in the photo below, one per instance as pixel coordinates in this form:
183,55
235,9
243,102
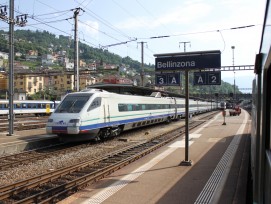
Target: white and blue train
98,114
36,107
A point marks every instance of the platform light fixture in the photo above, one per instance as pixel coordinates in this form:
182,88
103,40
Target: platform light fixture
233,47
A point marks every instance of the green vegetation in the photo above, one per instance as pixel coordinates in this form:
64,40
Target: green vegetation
46,43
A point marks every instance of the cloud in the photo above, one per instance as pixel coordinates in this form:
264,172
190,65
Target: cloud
91,28
180,15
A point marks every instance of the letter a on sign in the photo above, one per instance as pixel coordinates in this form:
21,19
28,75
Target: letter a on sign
200,80
173,81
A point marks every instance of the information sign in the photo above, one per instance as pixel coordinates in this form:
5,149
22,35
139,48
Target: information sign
167,79
193,61
207,78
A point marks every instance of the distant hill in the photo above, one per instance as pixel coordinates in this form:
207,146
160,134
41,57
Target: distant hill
45,42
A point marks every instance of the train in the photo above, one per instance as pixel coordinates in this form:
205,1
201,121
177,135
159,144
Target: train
36,107
99,114
222,105
260,156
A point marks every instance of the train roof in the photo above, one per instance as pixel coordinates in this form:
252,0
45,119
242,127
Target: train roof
130,89
26,101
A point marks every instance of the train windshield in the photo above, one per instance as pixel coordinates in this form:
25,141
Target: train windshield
73,103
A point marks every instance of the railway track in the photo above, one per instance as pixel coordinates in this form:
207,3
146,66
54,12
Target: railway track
60,183
24,123
10,161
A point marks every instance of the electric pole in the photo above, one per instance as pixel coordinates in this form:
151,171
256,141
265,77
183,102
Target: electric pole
184,49
11,77
186,162
233,47
142,63
21,21
184,45
76,53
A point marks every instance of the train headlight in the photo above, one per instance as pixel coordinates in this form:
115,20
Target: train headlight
74,121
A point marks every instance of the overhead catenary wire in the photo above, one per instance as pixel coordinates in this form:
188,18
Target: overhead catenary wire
118,40
34,17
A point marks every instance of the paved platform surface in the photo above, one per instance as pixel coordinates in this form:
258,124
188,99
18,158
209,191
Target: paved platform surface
25,140
218,174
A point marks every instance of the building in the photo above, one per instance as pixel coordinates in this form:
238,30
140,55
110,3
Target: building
116,80
60,82
3,82
54,82
4,55
29,82
32,55
47,59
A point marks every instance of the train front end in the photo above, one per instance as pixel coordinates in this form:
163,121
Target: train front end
66,120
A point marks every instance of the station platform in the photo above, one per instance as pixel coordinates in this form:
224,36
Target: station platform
219,155
25,140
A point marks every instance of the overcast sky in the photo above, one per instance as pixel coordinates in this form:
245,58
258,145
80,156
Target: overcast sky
203,24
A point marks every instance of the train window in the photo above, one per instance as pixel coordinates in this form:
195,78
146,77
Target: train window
29,105
24,105
17,105
95,103
122,107
129,107
143,107
137,107
72,103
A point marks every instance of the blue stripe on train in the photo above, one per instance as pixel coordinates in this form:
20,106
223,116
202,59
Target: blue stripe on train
121,122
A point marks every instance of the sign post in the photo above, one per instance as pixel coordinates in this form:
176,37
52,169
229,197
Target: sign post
186,61
224,115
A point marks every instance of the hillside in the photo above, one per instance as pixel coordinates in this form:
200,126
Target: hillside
45,43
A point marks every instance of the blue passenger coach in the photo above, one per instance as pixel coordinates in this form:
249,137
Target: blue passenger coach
36,107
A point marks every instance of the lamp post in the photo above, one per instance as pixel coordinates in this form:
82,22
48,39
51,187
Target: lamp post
233,47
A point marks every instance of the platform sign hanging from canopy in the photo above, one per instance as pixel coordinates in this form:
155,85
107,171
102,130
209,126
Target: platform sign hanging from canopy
188,60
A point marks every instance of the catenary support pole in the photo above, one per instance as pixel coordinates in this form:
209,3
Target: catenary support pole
11,60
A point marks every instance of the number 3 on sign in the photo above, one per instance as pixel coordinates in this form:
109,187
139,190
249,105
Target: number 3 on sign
161,80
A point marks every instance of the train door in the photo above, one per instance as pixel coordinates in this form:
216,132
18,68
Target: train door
48,110
106,110
175,108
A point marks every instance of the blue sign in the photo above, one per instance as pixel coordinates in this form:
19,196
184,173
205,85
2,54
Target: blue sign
195,61
207,78
167,79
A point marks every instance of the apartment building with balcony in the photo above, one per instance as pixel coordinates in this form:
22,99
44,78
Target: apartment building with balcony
29,83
